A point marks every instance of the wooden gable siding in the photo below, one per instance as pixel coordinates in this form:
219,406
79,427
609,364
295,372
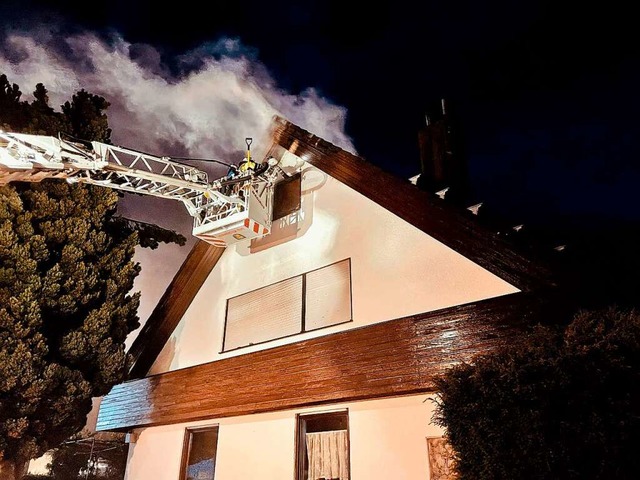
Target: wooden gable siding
396,357
421,209
174,303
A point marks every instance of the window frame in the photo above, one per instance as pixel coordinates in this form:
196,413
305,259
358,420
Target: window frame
186,447
300,444
303,328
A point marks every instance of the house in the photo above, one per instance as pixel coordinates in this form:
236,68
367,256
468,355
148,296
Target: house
311,353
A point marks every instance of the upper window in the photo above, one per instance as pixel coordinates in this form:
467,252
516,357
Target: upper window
199,453
316,299
322,441
286,196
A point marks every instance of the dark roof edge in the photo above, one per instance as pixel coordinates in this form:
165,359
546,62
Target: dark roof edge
421,209
172,306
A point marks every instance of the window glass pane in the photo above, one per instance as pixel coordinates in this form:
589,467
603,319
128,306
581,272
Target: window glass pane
201,461
286,196
327,422
328,296
265,314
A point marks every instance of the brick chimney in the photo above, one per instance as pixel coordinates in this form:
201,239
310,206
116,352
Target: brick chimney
442,157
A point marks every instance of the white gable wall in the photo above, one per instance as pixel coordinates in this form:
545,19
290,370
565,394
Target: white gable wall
397,270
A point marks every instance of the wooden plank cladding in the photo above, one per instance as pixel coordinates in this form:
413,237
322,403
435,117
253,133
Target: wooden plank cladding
396,357
174,303
421,209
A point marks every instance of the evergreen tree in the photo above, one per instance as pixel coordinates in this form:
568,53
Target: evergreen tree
11,110
559,404
66,275
43,120
86,114
65,311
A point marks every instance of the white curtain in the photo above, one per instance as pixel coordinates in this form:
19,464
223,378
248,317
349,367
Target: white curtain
328,455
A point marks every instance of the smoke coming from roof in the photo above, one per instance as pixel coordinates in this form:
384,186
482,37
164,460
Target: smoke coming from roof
199,104
202,103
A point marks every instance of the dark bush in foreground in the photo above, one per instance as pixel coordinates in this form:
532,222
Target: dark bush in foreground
559,404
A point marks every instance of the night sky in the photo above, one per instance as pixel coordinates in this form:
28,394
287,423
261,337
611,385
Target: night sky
546,92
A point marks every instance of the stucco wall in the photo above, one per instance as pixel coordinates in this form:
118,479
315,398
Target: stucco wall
387,440
396,269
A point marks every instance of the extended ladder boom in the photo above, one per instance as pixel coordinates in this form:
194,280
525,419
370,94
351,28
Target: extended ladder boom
32,158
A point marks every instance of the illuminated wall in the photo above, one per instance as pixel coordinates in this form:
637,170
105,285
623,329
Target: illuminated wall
387,440
396,270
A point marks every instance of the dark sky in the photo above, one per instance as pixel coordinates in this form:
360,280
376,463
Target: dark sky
545,91
551,84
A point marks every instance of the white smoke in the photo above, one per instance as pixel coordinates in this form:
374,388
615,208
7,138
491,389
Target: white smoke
220,94
201,104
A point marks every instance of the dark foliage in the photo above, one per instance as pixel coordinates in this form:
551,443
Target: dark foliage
81,459
66,275
85,114
562,403
150,235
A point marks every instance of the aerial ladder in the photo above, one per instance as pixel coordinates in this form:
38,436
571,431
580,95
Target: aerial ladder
225,211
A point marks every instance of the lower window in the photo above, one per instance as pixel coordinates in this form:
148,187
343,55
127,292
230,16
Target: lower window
199,453
323,446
